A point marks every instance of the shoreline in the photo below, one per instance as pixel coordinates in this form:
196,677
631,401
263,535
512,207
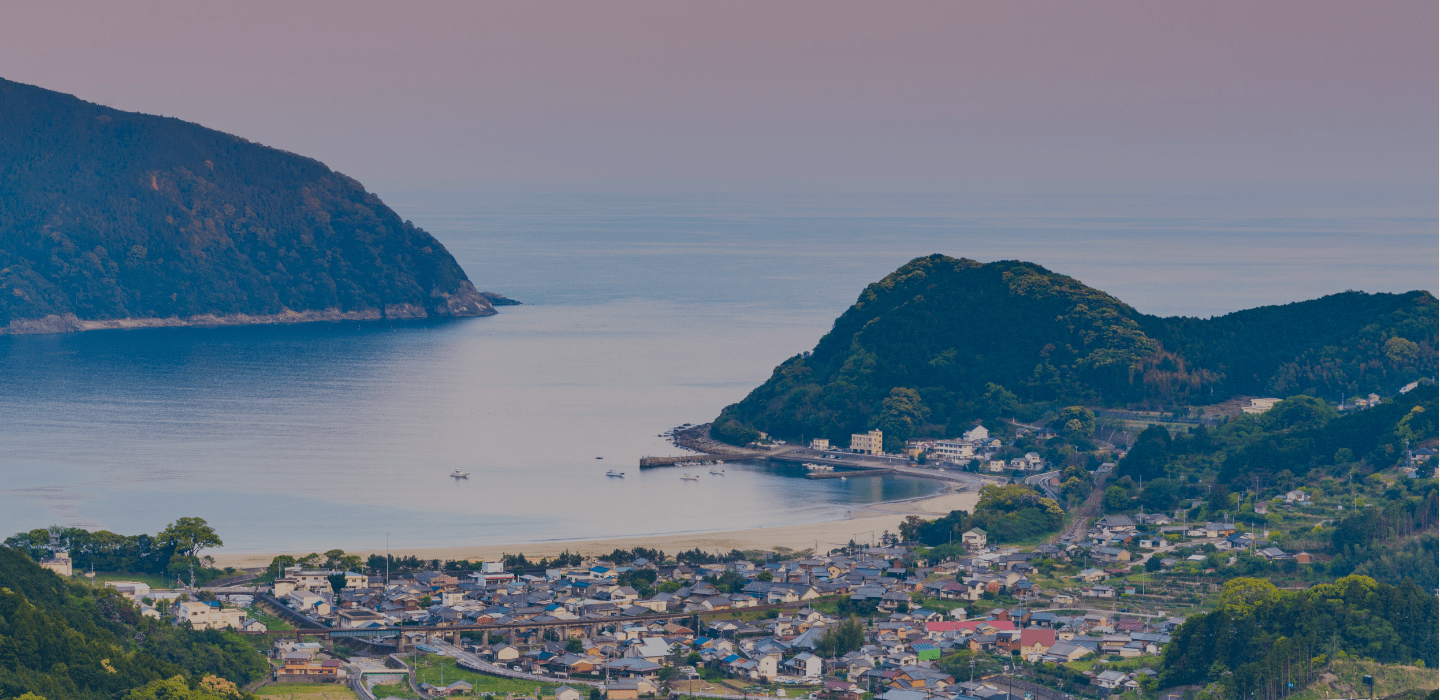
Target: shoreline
864,520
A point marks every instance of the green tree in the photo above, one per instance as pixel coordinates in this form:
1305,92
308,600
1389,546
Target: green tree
333,558
997,402
574,645
172,689
190,535
1219,499
1075,422
903,412
337,582
1160,494
279,564
1116,499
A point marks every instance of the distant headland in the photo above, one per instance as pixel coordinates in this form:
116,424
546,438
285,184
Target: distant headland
112,219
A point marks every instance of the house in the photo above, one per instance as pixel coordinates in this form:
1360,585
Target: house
301,663
1110,554
504,652
1273,553
1256,406
1109,679
358,617
1035,642
807,665
1091,575
208,616
629,688
1062,652
1116,524
1297,496
565,692
976,434
250,625
973,539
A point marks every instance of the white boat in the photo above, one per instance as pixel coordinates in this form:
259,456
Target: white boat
720,472
612,472
687,477
460,475
842,478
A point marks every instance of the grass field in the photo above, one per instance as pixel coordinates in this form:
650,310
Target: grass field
394,691
428,670
305,691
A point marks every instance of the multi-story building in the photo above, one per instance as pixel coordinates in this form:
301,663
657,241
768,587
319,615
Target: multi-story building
871,443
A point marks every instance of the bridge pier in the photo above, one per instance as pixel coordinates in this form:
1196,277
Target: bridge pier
400,642
485,638
329,644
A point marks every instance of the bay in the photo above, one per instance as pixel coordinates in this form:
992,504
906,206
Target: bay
642,311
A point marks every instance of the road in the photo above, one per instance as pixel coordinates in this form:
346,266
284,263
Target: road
1042,481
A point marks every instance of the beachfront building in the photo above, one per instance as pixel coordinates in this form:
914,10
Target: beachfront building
819,444
871,443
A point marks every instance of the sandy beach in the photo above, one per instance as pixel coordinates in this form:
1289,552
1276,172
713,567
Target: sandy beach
858,525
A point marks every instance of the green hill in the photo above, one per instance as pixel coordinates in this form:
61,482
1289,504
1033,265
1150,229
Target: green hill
942,342
69,640
120,219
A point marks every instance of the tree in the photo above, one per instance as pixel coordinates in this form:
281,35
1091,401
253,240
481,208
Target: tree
1219,499
190,535
574,645
766,576
337,582
1075,422
279,564
997,402
1160,494
333,558
902,414
1116,499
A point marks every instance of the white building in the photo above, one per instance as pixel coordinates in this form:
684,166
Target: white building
819,444
1259,405
977,433
953,450
871,443
204,616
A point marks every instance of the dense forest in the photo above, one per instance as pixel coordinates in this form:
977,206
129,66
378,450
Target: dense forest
1262,639
108,215
1009,513
942,342
78,642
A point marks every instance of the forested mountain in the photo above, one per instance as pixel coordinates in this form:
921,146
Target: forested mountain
944,341
108,215
69,640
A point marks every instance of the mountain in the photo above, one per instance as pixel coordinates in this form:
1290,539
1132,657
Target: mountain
115,219
943,341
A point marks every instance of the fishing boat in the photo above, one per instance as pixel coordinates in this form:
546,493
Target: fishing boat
688,477
720,472
612,472
460,475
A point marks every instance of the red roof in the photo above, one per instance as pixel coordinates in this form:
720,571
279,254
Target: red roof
1033,636
951,626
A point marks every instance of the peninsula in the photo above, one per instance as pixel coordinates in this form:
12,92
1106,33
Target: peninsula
113,219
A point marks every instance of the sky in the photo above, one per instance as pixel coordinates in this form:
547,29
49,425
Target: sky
788,92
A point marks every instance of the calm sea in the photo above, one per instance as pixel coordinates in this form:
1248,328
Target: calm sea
641,312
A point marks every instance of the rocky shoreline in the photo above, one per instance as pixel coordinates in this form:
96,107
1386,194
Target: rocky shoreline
466,303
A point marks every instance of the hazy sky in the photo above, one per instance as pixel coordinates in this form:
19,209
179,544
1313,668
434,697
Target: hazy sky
772,91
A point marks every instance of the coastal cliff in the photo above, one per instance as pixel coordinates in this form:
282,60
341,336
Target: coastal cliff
112,219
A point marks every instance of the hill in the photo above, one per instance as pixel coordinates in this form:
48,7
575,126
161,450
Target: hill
114,219
943,341
68,640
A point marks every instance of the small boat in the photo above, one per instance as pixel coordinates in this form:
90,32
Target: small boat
599,458
460,475
687,477
612,472
842,478
720,472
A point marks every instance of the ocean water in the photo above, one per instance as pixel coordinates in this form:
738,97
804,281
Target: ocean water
642,312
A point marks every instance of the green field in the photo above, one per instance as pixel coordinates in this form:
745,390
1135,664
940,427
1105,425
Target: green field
147,579
428,670
395,691
1342,679
305,691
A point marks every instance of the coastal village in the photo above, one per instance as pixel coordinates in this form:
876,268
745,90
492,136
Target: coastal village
1086,612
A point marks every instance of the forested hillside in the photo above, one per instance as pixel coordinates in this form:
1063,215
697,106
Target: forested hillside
68,640
1262,638
108,215
944,341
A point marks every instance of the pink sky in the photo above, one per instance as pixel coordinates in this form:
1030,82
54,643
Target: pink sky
772,91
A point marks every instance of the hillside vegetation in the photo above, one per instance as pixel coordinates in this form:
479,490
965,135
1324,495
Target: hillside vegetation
72,641
1261,638
108,215
943,341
